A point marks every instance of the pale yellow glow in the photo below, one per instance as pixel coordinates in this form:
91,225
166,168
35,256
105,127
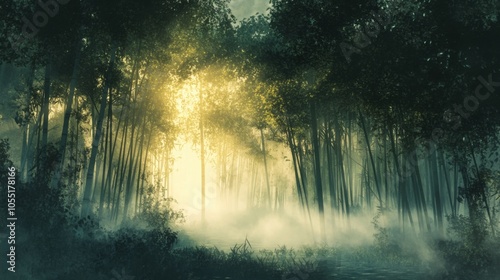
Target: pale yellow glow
187,99
186,181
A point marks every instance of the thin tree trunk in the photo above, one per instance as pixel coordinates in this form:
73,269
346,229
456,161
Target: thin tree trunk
482,190
421,193
299,174
329,157
131,163
86,205
442,163
437,192
67,112
265,167
104,171
371,158
26,125
202,156
401,179
45,107
317,170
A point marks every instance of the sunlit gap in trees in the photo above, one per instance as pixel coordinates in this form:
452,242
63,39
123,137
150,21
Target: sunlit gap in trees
240,202
236,197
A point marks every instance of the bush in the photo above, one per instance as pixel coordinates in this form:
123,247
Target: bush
471,253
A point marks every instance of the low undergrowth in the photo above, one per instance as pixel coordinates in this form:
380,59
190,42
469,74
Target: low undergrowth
53,243
469,250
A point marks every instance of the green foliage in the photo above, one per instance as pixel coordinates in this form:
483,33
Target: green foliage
241,262
158,214
387,242
473,233
472,253
5,161
46,161
393,245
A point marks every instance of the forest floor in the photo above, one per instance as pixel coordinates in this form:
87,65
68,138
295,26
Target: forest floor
53,244
85,252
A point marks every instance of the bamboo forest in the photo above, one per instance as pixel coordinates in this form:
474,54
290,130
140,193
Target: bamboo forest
249,139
